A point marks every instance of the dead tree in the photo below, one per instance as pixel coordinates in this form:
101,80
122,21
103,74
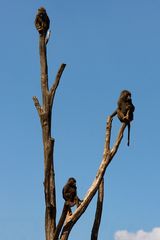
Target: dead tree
45,115
62,230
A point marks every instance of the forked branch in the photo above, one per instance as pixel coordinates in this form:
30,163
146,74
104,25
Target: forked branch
42,24
107,157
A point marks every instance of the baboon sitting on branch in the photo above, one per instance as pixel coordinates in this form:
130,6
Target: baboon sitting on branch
125,109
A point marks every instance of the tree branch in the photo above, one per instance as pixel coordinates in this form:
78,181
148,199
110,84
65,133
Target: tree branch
97,220
56,82
44,68
107,157
37,105
118,140
61,222
92,190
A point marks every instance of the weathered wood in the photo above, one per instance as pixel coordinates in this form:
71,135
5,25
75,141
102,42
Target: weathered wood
98,215
61,221
107,157
45,114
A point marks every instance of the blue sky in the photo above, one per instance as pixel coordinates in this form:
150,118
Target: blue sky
108,46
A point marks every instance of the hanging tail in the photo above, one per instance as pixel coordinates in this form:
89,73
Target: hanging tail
129,128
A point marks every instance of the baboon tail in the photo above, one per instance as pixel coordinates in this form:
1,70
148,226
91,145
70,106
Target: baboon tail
129,128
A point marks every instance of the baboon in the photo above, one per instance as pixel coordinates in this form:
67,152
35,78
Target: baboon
42,21
125,109
69,193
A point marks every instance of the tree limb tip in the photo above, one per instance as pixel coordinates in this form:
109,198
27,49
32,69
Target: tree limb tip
37,104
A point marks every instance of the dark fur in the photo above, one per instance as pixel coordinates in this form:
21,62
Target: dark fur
42,21
125,109
69,193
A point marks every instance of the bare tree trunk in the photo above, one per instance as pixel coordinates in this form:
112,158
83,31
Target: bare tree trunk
45,114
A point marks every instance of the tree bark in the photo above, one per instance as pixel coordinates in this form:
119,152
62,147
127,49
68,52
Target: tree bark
45,115
61,222
65,224
107,157
98,215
